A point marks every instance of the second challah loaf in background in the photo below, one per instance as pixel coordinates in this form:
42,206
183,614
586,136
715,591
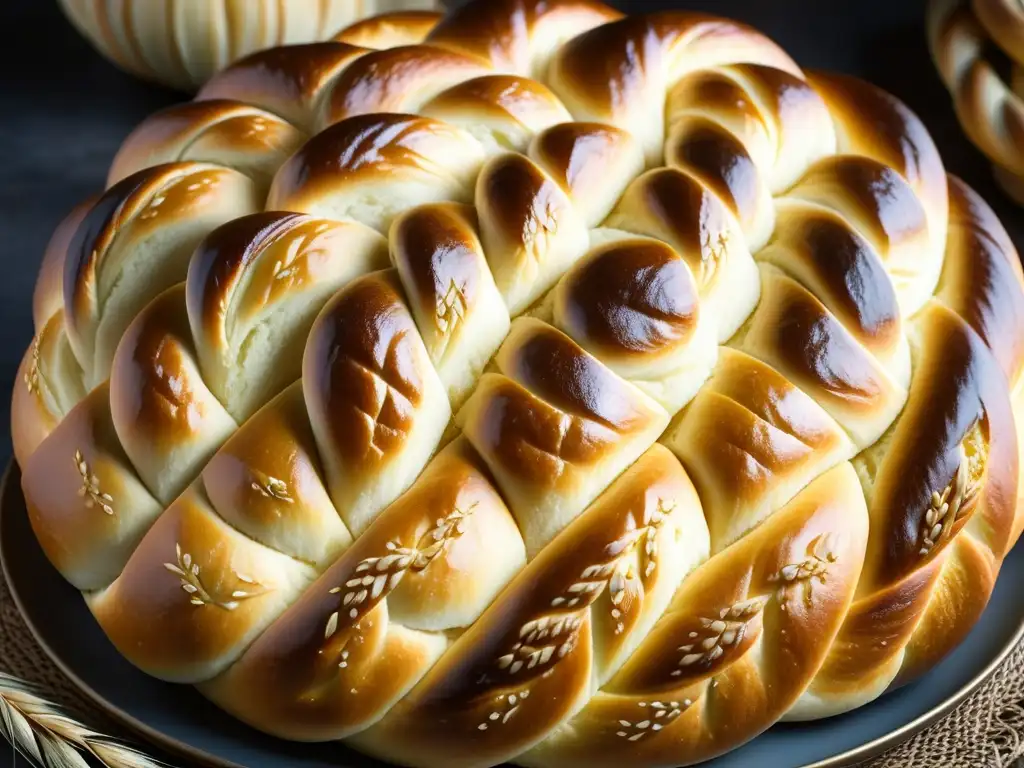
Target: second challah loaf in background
963,36
182,43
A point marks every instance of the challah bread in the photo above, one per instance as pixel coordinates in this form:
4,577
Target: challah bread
563,389
962,34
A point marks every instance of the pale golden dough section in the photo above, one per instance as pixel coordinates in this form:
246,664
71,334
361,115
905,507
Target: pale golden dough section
573,613
195,593
459,311
377,620
49,385
551,437
290,82
752,439
739,642
390,30
254,288
373,167
87,505
538,384
377,406
267,482
135,242
228,133
167,419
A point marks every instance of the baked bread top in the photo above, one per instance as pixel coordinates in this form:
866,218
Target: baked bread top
565,388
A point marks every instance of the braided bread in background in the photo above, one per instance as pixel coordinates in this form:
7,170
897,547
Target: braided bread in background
565,389
182,43
962,34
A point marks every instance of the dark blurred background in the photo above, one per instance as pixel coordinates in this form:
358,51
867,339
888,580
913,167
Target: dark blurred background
64,110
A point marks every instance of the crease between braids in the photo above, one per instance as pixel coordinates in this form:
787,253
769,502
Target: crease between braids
613,446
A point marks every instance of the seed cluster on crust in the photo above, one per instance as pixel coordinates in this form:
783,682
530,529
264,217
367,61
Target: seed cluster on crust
536,384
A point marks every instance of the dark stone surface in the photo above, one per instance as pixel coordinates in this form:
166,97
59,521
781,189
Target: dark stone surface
64,110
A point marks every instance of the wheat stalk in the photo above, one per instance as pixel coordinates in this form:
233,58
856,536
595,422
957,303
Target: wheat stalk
49,737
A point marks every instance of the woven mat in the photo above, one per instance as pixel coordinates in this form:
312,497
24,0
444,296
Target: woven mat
986,731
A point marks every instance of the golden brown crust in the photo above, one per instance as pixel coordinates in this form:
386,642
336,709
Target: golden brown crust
390,30
632,303
982,280
712,154
591,162
620,72
343,172
960,597
459,313
748,592
530,232
783,589
751,440
86,505
942,503
554,368
876,125
879,204
195,593
817,247
289,81
961,435
517,36
166,417
266,482
778,117
510,109
374,623
793,332
541,636
153,219
552,439
375,402
675,207
632,299
228,133
48,385
396,80
254,288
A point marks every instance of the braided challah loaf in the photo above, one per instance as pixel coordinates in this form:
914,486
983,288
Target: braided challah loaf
963,35
566,389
